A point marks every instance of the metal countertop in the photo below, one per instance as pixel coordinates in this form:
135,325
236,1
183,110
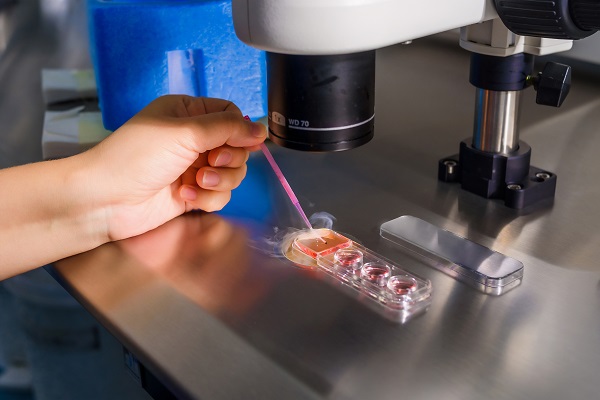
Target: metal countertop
216,319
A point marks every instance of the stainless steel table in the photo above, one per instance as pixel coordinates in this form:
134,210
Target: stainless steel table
215,319
220,320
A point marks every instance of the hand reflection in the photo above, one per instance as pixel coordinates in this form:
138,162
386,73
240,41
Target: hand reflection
204,257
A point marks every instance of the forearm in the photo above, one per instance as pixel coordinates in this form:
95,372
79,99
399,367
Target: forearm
152,169
47,213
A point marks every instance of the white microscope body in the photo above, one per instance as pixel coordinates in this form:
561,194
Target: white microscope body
348,26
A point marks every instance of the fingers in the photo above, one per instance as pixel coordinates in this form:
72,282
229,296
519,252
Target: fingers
182,106
252,148
220,178
209,131
209,187
227,156
202,124
215,131
206,105
201,199
228,162
212,174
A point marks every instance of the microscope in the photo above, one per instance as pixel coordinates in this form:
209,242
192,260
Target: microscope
321,75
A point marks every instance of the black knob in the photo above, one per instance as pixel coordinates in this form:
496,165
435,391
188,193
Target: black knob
586,13
548,18
552,84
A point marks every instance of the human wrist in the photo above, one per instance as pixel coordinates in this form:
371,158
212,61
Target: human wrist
86,214
51,209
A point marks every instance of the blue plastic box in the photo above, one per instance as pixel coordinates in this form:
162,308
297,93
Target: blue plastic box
145,49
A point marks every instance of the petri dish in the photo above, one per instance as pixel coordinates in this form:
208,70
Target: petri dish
348,259
402,285
376,273
321,242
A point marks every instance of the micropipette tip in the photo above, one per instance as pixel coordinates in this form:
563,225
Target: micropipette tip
285,184
283,181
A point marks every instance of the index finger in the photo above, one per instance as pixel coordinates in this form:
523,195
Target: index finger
206,105
209,131
183,106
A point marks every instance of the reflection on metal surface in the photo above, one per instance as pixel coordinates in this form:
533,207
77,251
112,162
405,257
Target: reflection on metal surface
496,121
6,26
196,266
469,262
207,267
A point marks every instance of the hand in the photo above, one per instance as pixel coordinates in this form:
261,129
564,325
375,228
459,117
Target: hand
178,154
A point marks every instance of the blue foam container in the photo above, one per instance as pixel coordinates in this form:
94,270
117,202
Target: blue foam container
145,49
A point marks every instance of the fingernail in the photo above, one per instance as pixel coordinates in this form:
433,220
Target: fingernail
258,129
223,158
210,178
188,193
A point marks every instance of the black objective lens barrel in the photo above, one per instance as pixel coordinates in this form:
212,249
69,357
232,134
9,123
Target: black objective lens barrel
321,103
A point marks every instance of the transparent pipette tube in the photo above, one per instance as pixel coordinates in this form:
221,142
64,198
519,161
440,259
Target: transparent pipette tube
283,181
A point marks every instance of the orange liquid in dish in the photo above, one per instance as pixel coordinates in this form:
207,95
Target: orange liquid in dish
323,242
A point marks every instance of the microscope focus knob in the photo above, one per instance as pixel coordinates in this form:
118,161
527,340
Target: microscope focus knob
586,13
552,84
557,19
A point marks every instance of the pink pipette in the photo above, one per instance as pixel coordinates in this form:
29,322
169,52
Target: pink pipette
283,181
